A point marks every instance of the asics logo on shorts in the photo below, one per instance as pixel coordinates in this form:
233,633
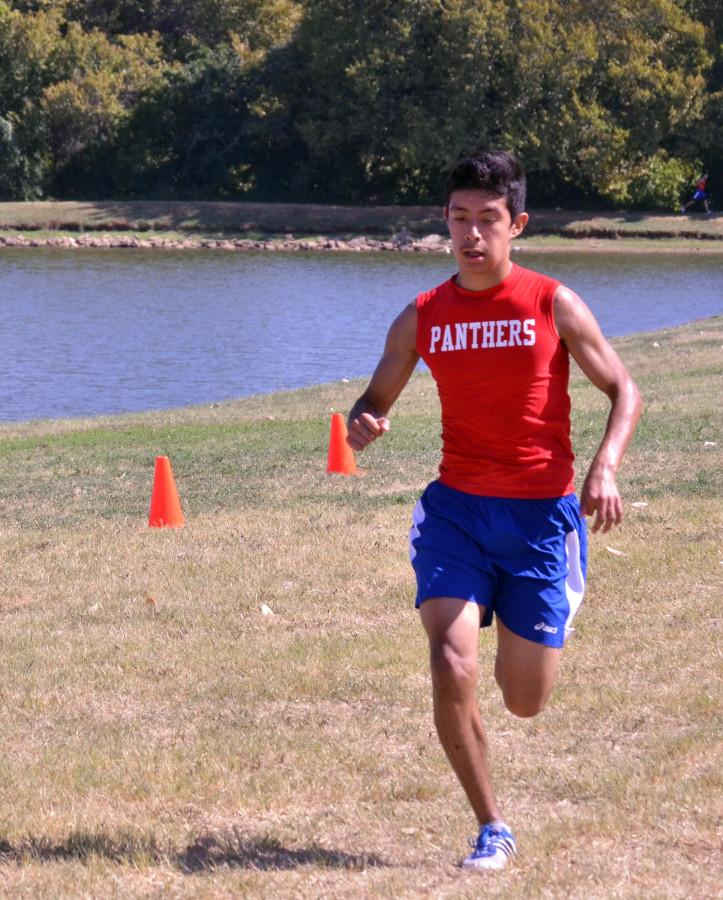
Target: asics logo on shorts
550,629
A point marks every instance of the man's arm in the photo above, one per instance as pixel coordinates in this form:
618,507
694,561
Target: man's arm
581,334
368,417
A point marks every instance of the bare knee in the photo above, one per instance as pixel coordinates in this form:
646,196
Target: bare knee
522,705
523,700
453,672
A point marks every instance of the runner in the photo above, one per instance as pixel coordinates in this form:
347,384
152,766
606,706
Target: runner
499,533
700,195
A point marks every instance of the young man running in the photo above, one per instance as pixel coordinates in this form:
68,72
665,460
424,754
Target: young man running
700,195
499,532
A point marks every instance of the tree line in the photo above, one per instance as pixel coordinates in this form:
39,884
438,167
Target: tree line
610,104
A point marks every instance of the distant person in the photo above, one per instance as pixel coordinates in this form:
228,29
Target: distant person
700,195
500,532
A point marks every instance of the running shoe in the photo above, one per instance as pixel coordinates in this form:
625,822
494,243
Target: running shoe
493,849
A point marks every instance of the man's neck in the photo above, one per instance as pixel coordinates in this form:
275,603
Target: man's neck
482,281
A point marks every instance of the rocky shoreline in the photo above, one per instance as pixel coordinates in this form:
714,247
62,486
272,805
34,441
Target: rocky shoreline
402,242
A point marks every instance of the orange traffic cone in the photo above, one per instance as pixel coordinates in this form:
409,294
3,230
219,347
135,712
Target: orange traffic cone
341,456
165,505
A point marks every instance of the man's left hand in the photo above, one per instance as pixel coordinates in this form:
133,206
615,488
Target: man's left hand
600,497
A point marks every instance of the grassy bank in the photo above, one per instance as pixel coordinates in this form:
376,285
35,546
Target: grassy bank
226,221
163,737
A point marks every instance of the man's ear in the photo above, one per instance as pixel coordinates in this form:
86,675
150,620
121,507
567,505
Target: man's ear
445,213
518,226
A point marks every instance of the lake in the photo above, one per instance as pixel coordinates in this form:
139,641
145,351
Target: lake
111,331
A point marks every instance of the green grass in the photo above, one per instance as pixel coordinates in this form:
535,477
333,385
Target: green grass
219,220
163,737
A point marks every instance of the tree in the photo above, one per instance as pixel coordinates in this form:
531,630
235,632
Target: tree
28,63
705,137
83,113
334,100
393,90
586,94
187,25
193,134
593,97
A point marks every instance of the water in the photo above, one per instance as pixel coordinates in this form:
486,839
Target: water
104,332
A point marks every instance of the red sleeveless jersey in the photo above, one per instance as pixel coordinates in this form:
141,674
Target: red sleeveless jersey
502,375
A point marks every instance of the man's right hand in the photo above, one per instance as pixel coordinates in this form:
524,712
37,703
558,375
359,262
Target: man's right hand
366,428
366,423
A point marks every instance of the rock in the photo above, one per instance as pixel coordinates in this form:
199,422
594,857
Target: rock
402,237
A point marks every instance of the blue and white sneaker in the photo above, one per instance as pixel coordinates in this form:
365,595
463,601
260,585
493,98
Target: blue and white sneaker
493,849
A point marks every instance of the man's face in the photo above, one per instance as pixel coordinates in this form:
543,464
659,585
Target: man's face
481,229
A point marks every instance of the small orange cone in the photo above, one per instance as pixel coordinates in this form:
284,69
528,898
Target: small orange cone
341,456
165,506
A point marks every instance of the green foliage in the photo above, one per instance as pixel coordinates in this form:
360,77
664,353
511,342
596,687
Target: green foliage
184,25
340,101
661,182
188,133
105,80
585,95
396,91
27,64
602,90
20,173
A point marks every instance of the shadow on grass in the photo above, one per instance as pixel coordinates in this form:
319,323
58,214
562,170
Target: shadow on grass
118,847
207,853
266,853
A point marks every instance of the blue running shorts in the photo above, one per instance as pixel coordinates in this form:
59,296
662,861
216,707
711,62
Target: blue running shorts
523,560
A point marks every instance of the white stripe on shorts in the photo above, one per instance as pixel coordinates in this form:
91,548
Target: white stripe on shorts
575,582
418,516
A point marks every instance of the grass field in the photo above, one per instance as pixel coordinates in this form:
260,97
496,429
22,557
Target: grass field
162,737
176,220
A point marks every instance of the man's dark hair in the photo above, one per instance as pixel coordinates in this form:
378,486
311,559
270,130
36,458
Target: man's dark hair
492,172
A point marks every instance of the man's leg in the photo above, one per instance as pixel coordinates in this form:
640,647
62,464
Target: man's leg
525,671
452,627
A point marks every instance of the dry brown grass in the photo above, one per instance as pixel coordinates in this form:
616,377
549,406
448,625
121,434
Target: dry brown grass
163,738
